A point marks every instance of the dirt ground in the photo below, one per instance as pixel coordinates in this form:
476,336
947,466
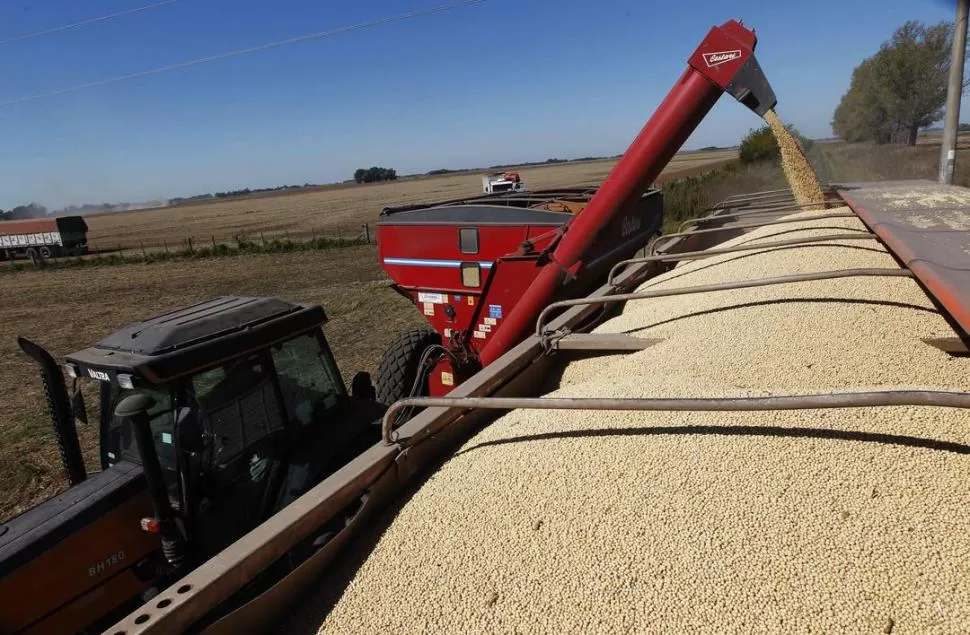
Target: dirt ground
67,309
333,211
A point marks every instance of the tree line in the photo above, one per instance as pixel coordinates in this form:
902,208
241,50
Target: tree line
900,89
374,174
33,210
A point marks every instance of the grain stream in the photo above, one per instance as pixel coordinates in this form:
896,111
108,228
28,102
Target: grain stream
801,177
789,521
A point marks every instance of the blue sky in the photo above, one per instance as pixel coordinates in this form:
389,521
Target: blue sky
509,80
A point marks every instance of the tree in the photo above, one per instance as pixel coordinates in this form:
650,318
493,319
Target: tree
900,89
761,144
373,174
758,145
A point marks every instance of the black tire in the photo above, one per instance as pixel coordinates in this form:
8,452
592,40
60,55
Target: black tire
34,257
46,252
399,365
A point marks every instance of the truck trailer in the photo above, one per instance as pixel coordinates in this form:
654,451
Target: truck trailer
38,238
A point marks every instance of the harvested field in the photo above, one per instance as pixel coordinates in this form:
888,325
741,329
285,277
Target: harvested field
337,211
821,521
67,309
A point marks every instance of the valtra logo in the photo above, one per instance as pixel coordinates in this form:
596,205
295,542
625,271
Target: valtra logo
718,58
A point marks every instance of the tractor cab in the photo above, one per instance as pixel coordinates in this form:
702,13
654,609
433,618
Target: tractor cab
211,418
245,404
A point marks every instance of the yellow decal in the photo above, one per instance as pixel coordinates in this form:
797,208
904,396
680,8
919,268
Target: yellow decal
447,379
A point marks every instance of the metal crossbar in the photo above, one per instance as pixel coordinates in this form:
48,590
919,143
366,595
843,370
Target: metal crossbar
780,221
865,399
707,253
724,286
754,212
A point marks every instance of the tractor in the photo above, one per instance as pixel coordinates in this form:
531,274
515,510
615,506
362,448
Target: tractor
212,418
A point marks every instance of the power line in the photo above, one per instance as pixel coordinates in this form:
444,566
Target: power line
66,27
245,51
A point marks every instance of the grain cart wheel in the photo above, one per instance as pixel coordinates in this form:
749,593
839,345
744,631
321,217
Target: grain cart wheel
45,252
399,365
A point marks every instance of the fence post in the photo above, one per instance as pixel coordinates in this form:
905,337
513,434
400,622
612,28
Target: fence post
366,233
262,238
143,254
189,240
165,242
213,243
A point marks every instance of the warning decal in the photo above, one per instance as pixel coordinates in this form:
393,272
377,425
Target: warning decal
433,298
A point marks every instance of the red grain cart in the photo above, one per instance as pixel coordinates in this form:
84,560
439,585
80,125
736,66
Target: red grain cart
466,263
38,238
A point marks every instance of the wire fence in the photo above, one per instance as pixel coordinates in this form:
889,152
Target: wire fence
124,244
108,250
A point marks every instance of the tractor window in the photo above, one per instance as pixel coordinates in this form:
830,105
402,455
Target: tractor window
238,403
309,383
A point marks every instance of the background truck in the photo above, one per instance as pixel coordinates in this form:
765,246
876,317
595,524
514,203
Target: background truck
43,237
502,182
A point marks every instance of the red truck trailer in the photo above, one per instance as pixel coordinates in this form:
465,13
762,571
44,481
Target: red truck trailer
43,237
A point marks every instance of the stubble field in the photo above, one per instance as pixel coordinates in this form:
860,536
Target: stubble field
337,211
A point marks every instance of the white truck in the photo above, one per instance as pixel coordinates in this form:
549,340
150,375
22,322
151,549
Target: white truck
43,237
502,182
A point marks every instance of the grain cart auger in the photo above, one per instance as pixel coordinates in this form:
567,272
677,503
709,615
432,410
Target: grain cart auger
482,269
212,418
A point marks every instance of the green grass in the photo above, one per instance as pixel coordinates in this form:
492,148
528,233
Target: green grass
692,196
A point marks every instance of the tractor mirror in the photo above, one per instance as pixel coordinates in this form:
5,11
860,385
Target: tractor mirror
189,431
361,387
77,404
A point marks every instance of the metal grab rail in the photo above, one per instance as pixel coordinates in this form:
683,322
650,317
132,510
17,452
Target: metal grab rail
782,221
739,199
706,253
834,203
928,397
725,286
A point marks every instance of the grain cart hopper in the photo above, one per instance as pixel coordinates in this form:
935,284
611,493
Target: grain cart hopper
481,269
537,274
466,263
212,418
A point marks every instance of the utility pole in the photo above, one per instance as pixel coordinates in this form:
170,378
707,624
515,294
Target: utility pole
954,90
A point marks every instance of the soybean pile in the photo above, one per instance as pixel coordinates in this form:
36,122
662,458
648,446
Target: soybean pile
798,171
605,522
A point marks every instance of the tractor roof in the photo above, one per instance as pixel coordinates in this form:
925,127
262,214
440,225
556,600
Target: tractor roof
196,336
